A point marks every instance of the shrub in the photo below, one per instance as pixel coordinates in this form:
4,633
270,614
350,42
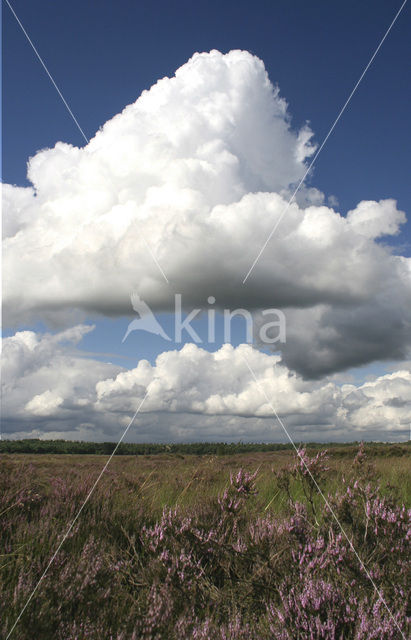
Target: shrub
220,570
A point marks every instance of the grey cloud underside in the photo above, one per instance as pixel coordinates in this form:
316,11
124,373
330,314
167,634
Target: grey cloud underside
327,339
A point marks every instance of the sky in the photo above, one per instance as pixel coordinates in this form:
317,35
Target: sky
177,194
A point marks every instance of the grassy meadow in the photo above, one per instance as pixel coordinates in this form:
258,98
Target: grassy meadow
207,546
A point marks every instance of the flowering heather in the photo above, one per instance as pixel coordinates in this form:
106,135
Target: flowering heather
229,565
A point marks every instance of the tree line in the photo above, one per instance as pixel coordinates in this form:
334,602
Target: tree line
33,445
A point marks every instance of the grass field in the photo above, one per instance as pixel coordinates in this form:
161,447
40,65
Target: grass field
181,546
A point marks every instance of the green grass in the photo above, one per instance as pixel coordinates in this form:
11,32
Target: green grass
168,479
41,494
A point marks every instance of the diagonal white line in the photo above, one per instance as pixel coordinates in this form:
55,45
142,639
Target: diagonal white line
323,143
47,71
76,518
322,495
155,260
73,116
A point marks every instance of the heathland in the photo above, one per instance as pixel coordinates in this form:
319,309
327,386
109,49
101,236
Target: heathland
252,545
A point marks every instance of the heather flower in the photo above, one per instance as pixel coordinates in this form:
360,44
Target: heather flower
218,570
313,610
244,482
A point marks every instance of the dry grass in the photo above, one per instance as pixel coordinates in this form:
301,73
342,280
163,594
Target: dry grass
108,579
169,479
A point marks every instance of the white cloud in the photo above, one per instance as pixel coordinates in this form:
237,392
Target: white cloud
194,380
384,400
44,404
214,133
200,168
197,381
50,389
375,221
46,380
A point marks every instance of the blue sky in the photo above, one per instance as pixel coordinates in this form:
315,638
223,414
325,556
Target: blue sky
102,55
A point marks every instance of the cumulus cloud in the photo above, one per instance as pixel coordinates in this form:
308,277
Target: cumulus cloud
155,174
194,380
328,338
49,389
196,173
374,222
47,383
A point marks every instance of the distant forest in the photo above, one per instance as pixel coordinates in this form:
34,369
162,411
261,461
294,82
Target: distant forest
196,448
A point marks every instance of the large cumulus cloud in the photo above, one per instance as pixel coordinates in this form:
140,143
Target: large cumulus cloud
51,389
193,176
154,175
